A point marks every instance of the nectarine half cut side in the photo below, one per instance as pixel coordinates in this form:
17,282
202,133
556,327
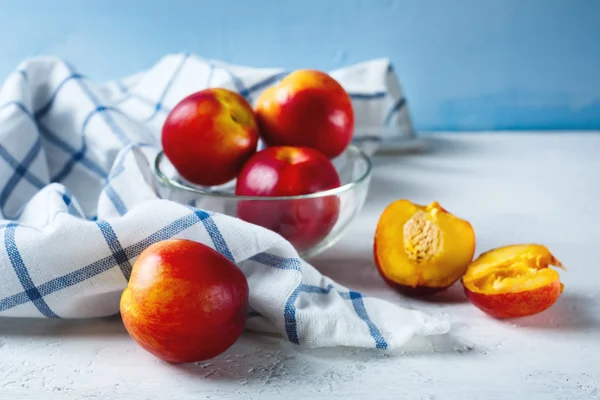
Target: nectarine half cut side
513,281
421,250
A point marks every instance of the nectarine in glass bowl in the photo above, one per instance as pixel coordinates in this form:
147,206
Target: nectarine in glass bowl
311,222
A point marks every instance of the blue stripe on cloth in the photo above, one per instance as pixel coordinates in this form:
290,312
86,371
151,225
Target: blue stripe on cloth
289,312
163,95
237,82
67,148
396,108
81,153
359,307
289,316
21,170
13,301
20,269
44,109
316,289
34,180
215,234
106,116
105,263
144,100
263,84
274,261
19,105
115,246
68,199
114,197
68,167
367,96
357,302
170,230
109,190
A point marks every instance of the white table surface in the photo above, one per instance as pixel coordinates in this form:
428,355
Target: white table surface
512,187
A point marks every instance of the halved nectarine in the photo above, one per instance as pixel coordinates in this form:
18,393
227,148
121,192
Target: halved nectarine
420,250
513,281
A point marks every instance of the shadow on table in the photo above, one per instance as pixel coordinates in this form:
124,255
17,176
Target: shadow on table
271,361
357,271
253,358
570,313
32,327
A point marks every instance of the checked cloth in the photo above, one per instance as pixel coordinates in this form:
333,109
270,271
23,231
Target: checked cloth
78,201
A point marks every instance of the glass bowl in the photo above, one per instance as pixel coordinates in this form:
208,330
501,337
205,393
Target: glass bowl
311,223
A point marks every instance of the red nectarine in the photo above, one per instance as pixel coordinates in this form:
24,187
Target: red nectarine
290,171
513,281
209,135
307,108
184,302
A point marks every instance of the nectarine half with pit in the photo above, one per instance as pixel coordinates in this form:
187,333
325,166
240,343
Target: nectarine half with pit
420,250
513,281
184,302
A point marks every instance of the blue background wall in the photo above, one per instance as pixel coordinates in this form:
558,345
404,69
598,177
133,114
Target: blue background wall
464,64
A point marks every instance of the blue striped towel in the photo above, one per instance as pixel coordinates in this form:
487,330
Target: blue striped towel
77,207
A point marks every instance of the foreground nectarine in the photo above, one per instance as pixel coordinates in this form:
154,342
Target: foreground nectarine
184,302
420,250
513,281
290,171
209,135
308,108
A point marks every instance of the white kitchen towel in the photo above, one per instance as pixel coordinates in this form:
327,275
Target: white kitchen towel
78,201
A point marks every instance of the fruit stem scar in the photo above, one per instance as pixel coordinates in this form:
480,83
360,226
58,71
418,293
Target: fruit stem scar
422,238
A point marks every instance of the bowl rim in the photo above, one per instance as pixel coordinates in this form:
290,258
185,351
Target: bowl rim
162,178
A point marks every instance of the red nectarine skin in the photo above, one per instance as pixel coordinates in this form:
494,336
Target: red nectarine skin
184,302
513,281
290,171
519,304
209,135
307,108
421,250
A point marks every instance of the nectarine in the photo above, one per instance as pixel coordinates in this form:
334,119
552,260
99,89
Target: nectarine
290,171
513,281
420,250
184,302
209,135
308,108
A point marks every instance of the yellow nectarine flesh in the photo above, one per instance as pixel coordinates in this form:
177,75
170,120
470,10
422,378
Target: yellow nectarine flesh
513,281
421,250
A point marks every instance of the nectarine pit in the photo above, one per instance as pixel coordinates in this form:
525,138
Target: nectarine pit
422,238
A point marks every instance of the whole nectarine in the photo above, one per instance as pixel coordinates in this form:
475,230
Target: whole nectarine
513,281
184,302
308,108
209,135
290,171
420,250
